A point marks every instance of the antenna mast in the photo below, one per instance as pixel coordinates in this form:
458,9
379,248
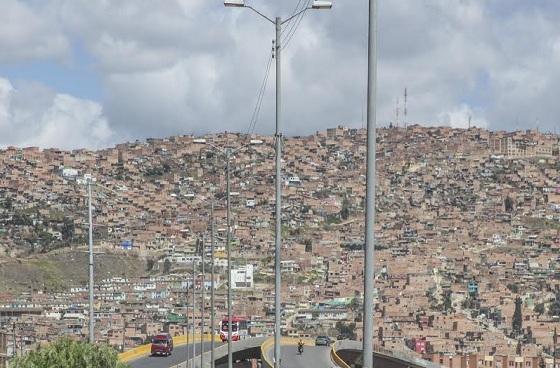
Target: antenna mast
397,113
405,109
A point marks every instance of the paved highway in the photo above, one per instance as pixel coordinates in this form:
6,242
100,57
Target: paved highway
179,355
313,356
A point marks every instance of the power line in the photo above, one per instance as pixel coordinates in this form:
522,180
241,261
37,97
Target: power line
296,9
260,96
295,26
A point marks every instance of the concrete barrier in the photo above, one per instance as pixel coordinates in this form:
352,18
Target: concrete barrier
247,348
390,358
269,344
337,359
145,350
265,347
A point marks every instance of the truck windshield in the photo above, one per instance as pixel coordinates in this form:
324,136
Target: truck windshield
159,342
225,326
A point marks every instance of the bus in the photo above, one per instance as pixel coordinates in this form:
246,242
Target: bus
239,327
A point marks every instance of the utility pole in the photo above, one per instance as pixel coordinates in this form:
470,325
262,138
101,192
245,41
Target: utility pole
91,320
278,240
228,240
202,307
212,322
123,332
554,341
193,309
323,4
370,188
14,350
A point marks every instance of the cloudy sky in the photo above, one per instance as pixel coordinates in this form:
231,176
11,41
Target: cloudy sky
82,73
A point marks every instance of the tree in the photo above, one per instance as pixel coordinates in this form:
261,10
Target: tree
68,229
514,288
517,320
447,302
508,204
554,308
70,354
539,308
348,331
345,211
166,266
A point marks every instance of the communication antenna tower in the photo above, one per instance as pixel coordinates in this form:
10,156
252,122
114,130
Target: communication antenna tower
397,112
405,109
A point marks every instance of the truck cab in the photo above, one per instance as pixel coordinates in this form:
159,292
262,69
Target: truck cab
162,344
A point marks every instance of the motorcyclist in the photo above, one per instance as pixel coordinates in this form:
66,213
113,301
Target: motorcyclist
300,346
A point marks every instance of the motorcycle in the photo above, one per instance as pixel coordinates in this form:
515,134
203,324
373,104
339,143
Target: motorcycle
300,349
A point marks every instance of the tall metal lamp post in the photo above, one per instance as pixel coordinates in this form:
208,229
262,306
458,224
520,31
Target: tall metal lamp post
370,188
228,154
278,22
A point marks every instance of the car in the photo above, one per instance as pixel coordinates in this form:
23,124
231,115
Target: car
162,344
344,337
322,341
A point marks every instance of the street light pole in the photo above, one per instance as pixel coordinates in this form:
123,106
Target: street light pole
554,341
91,320
317,4
193,309
228,240
369,273
278,202
202,307
212,322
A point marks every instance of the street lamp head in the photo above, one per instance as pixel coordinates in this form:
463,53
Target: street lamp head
321,4
234,3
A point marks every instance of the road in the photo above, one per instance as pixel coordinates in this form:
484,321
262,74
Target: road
313,356
179,355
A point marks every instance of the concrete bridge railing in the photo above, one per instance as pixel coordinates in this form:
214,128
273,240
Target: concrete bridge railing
344,353
145,350
244,349
268,345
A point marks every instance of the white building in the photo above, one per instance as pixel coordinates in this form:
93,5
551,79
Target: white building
69,173
242,277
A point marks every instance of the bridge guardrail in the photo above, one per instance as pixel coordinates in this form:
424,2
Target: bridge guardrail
399,355
336,359
144,350
267,345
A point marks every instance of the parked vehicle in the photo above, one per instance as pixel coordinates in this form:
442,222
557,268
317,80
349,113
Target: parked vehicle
322,341
162,344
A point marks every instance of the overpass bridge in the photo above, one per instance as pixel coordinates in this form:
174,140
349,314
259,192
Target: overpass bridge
343,354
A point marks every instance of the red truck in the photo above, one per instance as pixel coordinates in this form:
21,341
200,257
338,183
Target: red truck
162,344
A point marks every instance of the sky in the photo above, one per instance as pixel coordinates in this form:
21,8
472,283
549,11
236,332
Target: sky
82,73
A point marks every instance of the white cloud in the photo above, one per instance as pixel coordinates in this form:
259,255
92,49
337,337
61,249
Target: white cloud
33,115
182,66
30,32
461,116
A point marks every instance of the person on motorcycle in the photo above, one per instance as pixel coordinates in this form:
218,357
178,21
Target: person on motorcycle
300,346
